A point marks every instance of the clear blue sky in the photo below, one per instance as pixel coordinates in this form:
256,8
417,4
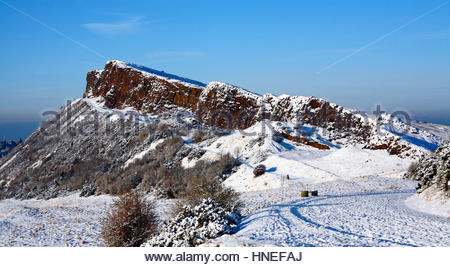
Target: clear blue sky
393,53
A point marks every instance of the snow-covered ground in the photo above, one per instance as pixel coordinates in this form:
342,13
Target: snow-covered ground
358,219
67,221
64,221
362,200
361,197
363,211
430,201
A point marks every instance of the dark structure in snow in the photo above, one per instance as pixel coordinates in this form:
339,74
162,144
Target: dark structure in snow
259,170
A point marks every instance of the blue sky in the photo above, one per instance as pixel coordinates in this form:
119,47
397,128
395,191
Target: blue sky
354,53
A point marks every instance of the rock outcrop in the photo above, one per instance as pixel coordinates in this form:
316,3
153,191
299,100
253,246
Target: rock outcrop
216,104
123,84
226,106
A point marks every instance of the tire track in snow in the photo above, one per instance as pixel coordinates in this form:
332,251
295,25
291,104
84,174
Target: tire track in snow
358,219
295,211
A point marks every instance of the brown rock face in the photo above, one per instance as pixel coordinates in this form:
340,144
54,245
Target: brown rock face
392,147
305,141
125,86
218,104
227,107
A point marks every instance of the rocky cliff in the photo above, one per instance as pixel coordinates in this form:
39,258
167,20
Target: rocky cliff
122,85
138,128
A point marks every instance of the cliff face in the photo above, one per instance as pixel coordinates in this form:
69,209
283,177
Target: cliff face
216,104
122,85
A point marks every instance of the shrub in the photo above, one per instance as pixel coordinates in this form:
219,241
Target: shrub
277,138
219,169
198,136
194,225
412,169
259,170
203,134
130,221
201,188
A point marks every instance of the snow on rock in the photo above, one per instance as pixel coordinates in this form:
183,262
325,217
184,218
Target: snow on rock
36,164
432,172
160,74
8,162
123,85
442,131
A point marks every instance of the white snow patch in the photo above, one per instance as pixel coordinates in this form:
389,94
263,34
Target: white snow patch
79,119
141,154
36,164
188,163
429,201
8,162
148,72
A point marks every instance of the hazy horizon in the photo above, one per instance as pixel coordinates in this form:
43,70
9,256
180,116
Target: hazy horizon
358,55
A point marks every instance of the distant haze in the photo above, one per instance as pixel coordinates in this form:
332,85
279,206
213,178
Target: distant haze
17,130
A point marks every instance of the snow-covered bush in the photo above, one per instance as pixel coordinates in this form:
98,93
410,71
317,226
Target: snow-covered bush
277,138
412,169
194,225
130,221
259,170
433,170
200,188
88,190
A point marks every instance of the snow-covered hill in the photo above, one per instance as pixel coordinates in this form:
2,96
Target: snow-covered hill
123,85
138,128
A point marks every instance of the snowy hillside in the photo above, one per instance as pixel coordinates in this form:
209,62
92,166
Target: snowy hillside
303,164
432,172
361,198
141,129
